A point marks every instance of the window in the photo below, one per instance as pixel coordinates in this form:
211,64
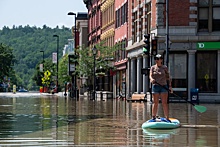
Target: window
178,70
178,73
203,19
209,18
216,19
126,11
121,15
117,18
135,26
148,18
123,54
206,70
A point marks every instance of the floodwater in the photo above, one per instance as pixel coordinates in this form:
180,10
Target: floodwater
59,121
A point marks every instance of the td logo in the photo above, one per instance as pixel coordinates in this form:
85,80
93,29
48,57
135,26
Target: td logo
201,45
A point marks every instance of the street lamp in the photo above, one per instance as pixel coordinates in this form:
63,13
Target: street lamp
43,64
43,55
94,51
74,79
57,57
167,33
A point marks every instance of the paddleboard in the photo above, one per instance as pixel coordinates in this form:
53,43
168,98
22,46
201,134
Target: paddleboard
158,124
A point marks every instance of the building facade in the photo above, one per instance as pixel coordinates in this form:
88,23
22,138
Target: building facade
121,35
139,23
193,45
105,83
191,28
82,29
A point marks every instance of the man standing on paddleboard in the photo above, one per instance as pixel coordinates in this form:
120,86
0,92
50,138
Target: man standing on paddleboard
159,76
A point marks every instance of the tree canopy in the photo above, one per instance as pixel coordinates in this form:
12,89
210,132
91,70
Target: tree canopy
26,43
7,60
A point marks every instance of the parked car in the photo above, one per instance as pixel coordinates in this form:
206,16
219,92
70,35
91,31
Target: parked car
22,90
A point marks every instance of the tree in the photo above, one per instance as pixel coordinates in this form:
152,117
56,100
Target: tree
7,60
27,42
104,57
63,70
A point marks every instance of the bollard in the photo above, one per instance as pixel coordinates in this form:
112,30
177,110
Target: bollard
65,89
14,89
101,95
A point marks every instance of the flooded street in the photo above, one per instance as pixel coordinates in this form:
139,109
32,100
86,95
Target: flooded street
59,121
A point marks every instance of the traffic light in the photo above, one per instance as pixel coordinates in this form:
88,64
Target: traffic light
146,48
154,47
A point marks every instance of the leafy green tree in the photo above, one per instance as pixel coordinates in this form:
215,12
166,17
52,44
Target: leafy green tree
27,42
104,58
63,71
7,60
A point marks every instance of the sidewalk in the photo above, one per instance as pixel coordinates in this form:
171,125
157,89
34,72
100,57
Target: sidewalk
32,94
20,94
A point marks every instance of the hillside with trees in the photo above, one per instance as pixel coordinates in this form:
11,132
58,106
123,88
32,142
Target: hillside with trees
26,43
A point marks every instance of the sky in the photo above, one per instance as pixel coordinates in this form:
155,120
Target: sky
39,12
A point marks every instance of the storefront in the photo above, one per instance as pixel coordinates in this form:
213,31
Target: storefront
196,68
207,67
121,78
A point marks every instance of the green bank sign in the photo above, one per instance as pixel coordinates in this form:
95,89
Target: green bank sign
208,45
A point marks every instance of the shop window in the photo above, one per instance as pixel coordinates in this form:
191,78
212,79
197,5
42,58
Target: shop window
178,72
206,71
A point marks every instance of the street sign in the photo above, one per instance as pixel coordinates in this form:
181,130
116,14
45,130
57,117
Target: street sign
72,67
41,68
208,45
54,57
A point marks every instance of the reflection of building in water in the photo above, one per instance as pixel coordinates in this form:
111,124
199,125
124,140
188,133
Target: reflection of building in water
137,113
159,137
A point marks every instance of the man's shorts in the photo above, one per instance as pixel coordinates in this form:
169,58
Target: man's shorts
159,89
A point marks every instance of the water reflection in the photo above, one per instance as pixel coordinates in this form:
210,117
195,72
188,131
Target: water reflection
159,137
58,121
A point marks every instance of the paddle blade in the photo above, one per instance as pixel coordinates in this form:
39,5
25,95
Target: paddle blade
200,109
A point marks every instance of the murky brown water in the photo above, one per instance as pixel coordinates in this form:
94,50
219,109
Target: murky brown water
53,121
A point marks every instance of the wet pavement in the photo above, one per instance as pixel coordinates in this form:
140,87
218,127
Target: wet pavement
33,119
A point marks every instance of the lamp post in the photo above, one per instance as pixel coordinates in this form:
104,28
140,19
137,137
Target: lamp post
43,59
168,42
43,65
94,51
57,58
74,79
43,55
167,33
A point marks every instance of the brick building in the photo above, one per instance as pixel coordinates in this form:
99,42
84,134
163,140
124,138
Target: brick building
193,44
192,40
121,33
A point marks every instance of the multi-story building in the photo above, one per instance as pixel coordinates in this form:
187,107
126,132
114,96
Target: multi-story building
105,83
121,35
79,33
94,21
82,29
102,28
139,23
188,31
193,39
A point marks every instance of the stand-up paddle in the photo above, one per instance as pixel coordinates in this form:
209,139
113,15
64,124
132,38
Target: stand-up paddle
199,108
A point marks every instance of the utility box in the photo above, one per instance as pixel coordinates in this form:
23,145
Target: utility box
194,95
